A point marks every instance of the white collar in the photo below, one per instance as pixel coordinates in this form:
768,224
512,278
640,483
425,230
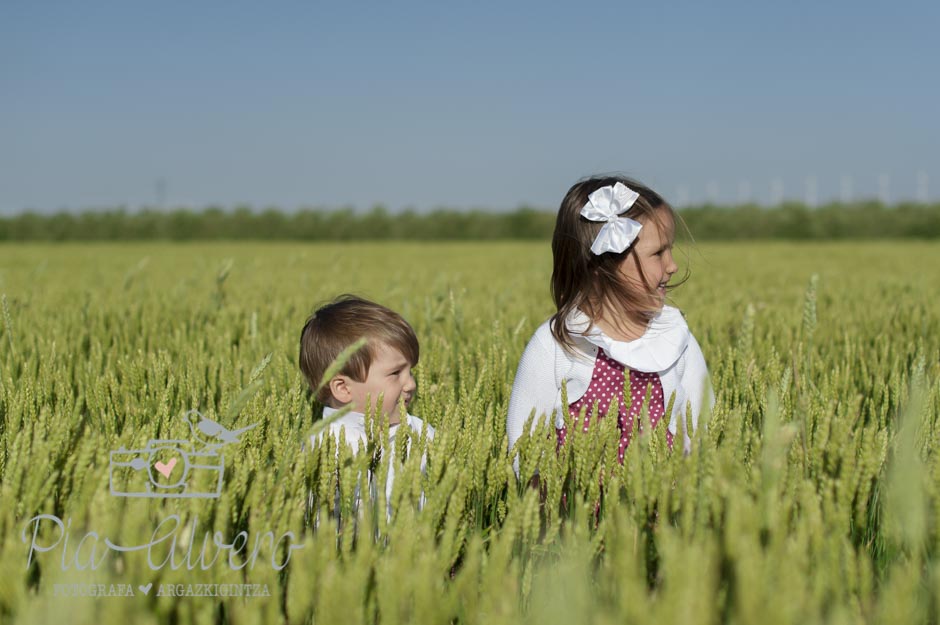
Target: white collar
353,418
659,348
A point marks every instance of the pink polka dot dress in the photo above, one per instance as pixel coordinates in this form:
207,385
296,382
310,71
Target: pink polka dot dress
606,385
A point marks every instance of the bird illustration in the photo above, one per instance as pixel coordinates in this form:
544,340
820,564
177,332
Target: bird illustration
201,427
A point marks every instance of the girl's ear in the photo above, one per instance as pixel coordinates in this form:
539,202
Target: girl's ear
339,387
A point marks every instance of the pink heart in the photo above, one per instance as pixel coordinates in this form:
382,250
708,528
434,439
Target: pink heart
165,469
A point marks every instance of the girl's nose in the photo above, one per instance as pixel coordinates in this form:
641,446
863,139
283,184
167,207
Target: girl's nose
410,383
671,266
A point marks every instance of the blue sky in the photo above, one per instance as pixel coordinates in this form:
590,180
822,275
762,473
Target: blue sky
488,105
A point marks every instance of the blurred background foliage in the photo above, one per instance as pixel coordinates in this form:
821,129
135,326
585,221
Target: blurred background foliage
790,221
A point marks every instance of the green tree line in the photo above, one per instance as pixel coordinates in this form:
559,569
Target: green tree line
865,220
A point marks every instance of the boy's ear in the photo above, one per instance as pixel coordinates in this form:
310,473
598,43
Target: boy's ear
339,387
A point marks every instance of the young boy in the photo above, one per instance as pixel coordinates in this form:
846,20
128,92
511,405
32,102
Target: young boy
382,367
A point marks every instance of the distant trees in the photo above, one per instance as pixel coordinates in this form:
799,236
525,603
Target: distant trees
789,221
862,220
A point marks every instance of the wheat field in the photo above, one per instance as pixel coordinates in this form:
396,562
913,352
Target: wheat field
811,495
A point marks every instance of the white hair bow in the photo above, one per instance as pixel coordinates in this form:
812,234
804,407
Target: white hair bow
606,204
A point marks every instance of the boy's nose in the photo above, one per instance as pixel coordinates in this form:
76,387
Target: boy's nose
410,384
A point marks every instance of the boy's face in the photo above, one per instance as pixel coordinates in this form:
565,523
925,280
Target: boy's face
389,375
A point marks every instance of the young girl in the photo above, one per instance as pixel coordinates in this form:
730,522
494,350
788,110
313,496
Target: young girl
612,251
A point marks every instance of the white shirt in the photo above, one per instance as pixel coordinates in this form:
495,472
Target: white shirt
666,348
354,424
351,427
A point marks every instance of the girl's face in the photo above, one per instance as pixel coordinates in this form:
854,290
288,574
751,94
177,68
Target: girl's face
653,253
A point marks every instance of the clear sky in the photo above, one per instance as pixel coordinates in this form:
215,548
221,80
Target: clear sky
480,104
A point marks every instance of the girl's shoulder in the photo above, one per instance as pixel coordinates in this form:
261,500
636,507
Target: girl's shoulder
543,339
544,332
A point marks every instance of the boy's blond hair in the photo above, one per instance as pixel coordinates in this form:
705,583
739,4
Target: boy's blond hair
339,324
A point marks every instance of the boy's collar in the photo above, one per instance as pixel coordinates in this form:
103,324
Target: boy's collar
327,411
357,416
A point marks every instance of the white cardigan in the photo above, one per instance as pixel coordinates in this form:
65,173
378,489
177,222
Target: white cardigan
667,348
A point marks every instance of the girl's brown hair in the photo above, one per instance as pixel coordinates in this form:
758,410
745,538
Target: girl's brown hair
593,283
